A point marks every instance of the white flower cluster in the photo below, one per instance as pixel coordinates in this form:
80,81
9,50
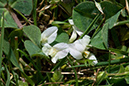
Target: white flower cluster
77,49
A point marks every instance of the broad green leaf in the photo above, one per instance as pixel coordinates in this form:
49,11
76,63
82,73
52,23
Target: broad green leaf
112,20
31,48
104,33
24,6
63,37
34,33
97,41
83,14
109,8
100,41
9,22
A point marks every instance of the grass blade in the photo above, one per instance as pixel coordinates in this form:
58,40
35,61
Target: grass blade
74,72
92,23
34,12
8,76
1,43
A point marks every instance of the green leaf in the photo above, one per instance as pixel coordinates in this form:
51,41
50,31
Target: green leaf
112,20
22,83
101,76
109,8
9,52
57,76
63,37
83,15
104,33
31,48
34,33
127,68
8,20
100,41
16,32
122,69
24,6
127,79
8,76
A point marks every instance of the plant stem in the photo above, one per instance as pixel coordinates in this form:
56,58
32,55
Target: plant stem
34,12
74,71
1,43
90,26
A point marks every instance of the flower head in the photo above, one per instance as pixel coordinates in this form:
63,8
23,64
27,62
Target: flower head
79,46
58,51
49,35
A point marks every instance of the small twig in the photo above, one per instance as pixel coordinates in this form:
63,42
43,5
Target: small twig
40,4
16,19
2,80
96,76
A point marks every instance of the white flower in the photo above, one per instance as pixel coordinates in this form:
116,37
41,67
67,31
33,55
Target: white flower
92,57
49,35
78,49
79,46
58,51
75,31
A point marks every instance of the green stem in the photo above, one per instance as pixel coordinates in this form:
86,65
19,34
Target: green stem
74,71
34,12
117,61
1,44
121,23
109,61
92,23
98,27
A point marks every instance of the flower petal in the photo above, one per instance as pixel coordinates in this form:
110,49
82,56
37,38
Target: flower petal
71,21
92,57
73,36
75,53
49,35
61,46
59,55
85,40
54,59
46,49
78,45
